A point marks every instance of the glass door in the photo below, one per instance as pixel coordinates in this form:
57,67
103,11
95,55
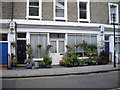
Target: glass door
58,48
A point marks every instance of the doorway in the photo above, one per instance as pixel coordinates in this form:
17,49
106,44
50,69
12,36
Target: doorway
21,48
57,50
57,40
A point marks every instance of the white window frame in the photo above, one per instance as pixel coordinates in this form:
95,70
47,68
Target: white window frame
88,11
40,11
117,14
65,11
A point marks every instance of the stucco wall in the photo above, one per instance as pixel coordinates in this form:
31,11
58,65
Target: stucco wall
72,11
47,11
99,12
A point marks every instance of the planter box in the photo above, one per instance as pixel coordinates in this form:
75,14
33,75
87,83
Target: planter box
49,66
29,66
75,64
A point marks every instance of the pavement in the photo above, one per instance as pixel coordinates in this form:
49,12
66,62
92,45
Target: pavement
57,71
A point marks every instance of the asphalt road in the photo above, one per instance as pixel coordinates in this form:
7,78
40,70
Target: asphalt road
99,80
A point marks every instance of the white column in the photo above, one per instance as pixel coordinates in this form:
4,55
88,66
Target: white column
28,37
111,39
101,39
66,39
11,49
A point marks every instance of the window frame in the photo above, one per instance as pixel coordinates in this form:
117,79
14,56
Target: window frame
87,11
40,11
117,13
65,11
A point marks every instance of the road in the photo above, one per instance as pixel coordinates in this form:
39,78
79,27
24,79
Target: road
96,80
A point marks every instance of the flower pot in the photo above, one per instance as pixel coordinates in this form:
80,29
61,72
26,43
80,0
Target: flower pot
29,66
75,64
48,66
80,63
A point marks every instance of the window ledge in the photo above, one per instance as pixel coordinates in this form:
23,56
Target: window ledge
83,20
34,17
60,18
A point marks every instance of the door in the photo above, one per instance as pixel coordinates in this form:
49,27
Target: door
57,50
21,48
3,52
107,49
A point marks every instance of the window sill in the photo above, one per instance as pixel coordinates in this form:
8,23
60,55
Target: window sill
59,18
84,20
33,17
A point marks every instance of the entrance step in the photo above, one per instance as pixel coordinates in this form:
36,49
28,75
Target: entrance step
21,65
3,66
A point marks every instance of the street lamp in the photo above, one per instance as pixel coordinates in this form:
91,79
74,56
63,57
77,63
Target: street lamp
113,18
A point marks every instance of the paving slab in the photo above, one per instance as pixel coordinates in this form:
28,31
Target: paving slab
57,71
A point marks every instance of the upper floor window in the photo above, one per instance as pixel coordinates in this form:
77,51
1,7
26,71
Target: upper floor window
60,10
83,11
113,9
34,9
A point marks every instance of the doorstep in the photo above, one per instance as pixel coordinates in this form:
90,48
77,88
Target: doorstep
3,66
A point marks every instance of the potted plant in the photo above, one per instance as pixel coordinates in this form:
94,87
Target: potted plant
13,61
84,45
29,62
41,64
39,49
48,49
47,60
13,44
39,45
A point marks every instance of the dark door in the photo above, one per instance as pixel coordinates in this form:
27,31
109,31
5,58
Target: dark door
107,49
21,48
3,52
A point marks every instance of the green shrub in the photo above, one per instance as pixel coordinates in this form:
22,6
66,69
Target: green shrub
41,64
67,63
47,60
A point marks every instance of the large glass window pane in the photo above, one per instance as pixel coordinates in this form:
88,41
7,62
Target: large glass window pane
82,5
83,15
34,2
34,11
43,41
59,8
86,38
34,42
59,12
117,47
38,39
54,48
79,41
71,41
83,10
94,40
61,46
